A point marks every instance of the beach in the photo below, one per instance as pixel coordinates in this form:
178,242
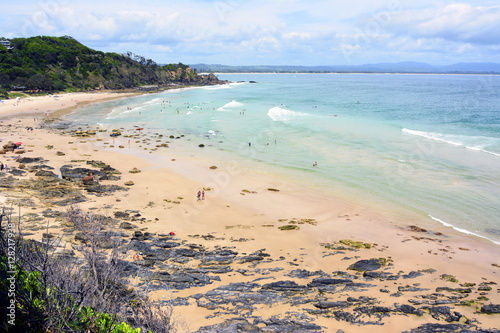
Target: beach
343,265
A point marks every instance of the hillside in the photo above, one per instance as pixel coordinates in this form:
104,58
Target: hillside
400,67
62,63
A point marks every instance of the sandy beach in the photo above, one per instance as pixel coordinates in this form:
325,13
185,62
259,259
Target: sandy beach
424,266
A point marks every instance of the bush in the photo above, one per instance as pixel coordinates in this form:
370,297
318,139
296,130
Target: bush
55,294
4,94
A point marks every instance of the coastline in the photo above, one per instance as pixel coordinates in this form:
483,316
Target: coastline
230,213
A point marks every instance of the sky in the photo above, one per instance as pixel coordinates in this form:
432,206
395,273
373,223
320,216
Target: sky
269,32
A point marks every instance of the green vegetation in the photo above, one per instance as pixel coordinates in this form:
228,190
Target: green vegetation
355,244
289,227
63,64
449,278
42,291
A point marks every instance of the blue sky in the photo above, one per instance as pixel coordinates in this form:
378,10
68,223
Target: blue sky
279,32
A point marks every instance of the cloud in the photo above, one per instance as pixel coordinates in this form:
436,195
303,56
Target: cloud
281,31
454,22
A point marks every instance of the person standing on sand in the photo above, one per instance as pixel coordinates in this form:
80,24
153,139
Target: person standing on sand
203,195
1,166
199,194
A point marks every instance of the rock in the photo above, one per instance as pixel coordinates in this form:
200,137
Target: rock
127,225
250,259
121,215
26,160
439,328
329,305
201,145
368,265
166,245
379,275
491,308
129,183
111,171
273,189
408,309
45,173
412,275
286,286
77,174
60,153
16,172
213,167
216,260
444,312
134,170
319,282
99,190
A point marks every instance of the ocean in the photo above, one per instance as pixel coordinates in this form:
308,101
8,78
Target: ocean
425,143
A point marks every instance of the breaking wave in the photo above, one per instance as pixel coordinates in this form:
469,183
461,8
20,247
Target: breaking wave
478,143
279,114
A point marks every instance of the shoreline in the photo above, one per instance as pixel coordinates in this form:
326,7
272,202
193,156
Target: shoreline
229,214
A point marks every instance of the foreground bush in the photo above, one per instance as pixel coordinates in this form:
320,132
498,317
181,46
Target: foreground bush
43,292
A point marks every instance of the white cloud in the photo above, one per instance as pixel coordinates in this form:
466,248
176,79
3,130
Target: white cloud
280,31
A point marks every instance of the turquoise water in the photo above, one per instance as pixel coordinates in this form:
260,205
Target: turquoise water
429,143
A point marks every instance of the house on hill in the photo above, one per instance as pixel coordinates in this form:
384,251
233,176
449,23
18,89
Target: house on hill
6,43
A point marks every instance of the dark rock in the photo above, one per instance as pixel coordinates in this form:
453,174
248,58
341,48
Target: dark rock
321,282
408,309
304,274
45,173
454,290
230,326
329,305
224,269
77,174
287,286
99,190
216,260
25,160
121,215
367,265
411,288
440,328
16,172
491,308
49,213
182,252
412,275
166,244
97,164
250,259
182,281
127,225
289,325
40,167
444,312
378,275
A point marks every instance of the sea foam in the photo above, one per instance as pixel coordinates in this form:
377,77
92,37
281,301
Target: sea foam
230,105
463,231
477,143
279,114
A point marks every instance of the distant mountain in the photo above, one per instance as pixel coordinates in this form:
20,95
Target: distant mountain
400,67
62,63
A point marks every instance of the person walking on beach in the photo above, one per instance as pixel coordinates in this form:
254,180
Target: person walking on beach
199,195
203,195
1,166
